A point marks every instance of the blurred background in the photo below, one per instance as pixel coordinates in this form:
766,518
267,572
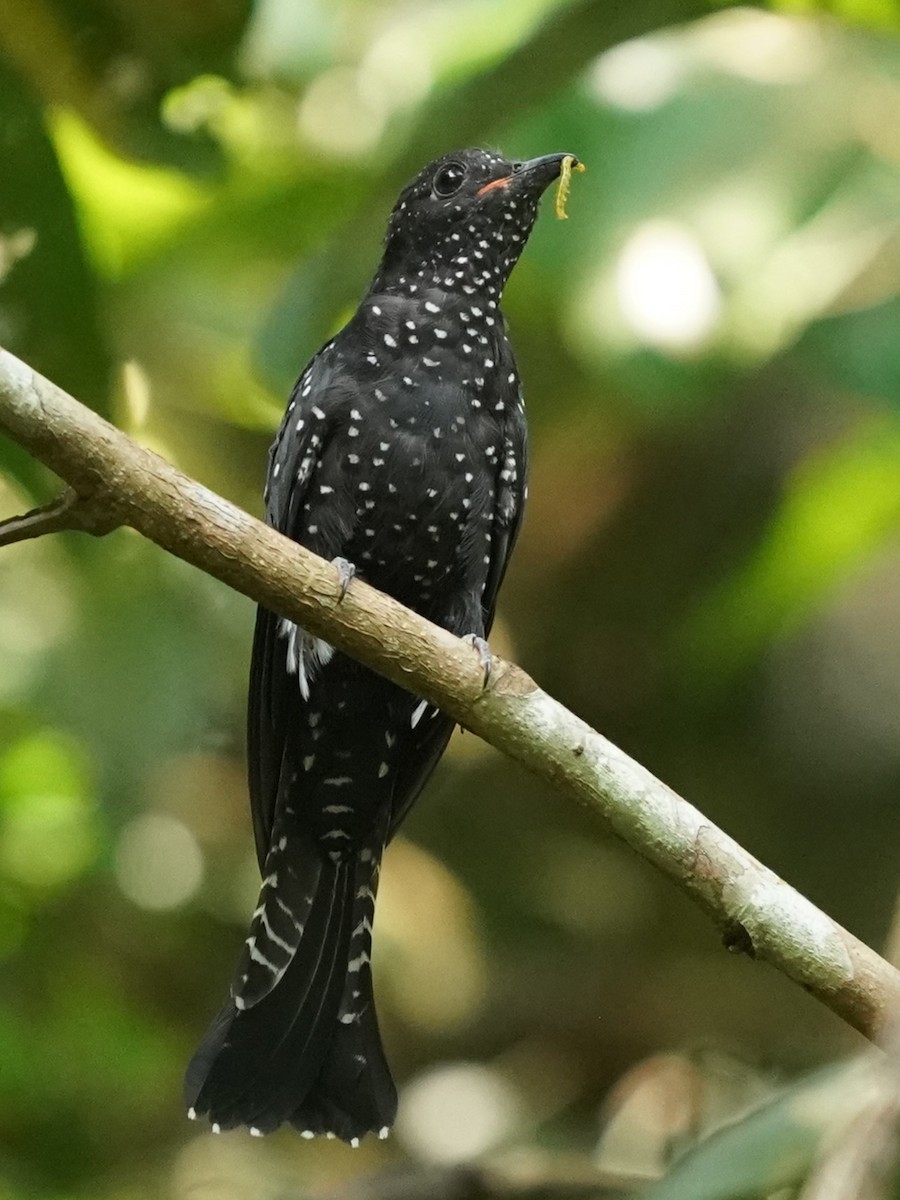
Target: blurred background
192,197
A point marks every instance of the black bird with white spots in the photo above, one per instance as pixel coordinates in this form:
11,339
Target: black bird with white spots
402,456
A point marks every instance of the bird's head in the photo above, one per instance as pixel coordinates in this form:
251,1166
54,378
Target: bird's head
464,219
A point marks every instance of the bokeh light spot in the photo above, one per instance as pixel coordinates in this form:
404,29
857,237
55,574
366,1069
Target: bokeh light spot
337,117
665,287
435,983
159,863
48,826
637,76
456,1112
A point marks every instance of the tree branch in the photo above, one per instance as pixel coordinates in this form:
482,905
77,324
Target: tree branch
759,913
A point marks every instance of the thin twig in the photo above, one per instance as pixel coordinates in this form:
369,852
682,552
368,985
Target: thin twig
69,512
760,913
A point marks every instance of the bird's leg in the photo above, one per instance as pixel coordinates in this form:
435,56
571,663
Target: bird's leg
346,571
484,652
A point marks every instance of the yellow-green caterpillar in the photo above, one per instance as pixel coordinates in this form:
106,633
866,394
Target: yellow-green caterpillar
569,164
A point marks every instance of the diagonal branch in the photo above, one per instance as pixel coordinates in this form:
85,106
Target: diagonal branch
758,912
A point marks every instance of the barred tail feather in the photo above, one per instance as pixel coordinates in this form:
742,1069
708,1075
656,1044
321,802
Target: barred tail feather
354,1092
291,1054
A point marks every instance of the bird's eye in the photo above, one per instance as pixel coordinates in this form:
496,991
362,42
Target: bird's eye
449,179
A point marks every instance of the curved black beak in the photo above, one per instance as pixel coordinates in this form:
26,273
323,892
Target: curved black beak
546,168
533,175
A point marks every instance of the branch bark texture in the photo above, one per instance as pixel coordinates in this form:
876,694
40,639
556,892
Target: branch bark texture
127,484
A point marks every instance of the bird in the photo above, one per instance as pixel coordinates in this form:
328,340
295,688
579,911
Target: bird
402,457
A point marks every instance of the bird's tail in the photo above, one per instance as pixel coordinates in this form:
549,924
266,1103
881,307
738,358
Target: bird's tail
298,1039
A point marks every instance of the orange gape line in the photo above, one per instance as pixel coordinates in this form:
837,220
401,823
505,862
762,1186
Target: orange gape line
495,183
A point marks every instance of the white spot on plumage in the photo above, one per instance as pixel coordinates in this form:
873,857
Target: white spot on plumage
305,655
390,341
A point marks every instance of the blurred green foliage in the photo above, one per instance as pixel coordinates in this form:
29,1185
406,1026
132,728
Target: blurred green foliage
191,198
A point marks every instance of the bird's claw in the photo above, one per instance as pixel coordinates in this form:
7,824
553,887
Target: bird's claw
346,571
484,652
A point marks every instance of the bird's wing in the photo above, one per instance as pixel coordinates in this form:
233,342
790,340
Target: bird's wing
512,474
315,410
431,729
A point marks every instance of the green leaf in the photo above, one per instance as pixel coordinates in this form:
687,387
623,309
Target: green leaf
48,298
839,506
772,1148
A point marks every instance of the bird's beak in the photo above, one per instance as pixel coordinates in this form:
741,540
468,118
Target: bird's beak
534,175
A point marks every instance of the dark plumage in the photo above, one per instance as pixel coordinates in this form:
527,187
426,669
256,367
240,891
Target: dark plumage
403,451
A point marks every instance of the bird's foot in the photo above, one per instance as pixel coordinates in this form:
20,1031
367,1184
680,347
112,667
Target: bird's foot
346,571
484,652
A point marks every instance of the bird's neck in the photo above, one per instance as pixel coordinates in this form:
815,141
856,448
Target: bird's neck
465,272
